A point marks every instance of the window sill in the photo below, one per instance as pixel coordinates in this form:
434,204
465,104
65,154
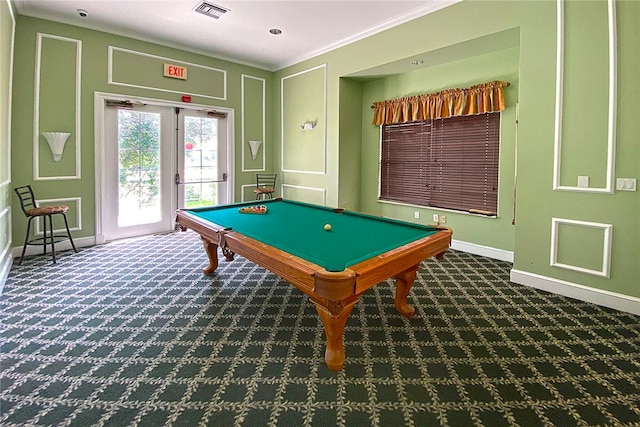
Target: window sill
409,205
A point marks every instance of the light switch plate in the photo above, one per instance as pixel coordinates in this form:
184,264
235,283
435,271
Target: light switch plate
583,182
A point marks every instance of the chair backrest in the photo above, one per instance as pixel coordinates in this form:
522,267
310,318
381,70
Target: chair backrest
266,180
27,198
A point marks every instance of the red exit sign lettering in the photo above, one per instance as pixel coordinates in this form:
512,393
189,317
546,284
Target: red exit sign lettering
175,71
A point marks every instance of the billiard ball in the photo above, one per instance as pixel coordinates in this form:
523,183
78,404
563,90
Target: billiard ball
327,227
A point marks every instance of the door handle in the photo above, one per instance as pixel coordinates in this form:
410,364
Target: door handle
208,181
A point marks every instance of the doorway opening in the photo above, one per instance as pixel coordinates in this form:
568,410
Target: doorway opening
152,158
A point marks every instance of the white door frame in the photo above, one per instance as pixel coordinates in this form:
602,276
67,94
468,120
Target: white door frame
99,104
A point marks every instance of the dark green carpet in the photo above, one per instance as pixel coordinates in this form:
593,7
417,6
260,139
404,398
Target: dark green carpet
134,334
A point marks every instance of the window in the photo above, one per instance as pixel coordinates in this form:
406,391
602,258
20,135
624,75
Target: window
449,163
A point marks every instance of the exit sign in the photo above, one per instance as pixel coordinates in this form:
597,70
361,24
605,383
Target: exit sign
175,71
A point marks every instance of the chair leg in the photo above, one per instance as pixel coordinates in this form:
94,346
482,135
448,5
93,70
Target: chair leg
26,239
53,239
66,224
44,236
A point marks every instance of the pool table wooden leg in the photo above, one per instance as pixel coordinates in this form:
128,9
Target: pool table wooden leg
404,281
212,253
334,329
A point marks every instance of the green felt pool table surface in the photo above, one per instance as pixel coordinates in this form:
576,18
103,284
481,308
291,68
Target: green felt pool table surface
332,267
298,228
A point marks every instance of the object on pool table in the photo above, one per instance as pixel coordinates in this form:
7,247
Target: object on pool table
327,227
262,209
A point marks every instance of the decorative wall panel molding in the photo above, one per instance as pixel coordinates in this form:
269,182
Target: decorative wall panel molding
303,101
302,193
58,81
607,229
62,201
608,134
145,71
252,111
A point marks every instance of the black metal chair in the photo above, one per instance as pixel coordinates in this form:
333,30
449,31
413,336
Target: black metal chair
31,210
265,185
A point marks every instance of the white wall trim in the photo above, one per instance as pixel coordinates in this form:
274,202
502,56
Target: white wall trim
6,251
283,187
173,60
324,127
243,187
9,95
36,110
473,248
5,268
244,141
600,297
606,246
427,8
5,257
611,123
78,203
80,242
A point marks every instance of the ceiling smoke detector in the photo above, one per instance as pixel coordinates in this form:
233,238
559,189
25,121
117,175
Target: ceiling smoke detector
210,9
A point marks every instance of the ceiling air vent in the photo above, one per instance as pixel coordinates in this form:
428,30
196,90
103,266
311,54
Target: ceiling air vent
210,9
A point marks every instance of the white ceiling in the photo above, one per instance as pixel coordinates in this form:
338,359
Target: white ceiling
309,27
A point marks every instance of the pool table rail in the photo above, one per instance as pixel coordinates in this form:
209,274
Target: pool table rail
295,270
379,268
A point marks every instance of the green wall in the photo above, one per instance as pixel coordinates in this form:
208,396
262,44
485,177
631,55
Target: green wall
74,63
454,43
7,25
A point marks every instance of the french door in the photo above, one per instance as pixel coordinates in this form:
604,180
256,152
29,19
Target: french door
157,159
202,159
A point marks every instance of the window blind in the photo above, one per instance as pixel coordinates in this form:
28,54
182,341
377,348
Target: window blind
449,163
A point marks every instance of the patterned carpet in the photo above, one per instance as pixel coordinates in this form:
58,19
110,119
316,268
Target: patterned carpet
134,335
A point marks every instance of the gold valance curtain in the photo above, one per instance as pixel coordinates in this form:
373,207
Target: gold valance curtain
482,98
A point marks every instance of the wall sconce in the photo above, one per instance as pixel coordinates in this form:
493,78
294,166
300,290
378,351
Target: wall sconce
56,142
255,147
308,125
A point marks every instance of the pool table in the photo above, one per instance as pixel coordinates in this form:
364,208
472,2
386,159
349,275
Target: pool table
333,267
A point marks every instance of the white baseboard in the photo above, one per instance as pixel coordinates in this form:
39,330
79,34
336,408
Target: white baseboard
601,297
81,242
487,251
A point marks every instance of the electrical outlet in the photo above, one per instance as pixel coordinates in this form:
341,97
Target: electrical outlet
443,219
435,218
416,215
626,184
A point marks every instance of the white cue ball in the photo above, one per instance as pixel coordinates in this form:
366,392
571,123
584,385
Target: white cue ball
327,227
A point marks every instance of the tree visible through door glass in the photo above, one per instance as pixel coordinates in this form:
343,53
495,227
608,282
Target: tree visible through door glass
139,195
200,161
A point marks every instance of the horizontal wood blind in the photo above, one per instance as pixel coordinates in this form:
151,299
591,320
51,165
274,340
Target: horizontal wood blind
449,163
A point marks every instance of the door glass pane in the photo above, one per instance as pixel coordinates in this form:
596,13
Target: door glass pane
139,197
200,161
200,194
